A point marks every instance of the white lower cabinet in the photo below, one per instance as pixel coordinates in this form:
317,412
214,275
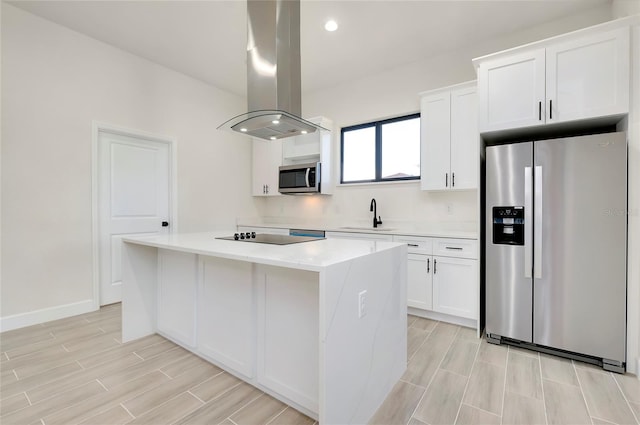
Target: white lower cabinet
455,286
419,281
176,317
442,275
226,313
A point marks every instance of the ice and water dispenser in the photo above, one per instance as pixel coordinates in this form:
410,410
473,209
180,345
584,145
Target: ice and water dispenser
508,225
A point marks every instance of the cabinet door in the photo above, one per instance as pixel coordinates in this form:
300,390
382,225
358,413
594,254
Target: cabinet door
455,286
419,281
177,282
588,77
435,133
511,91
226,313
267,157
464,139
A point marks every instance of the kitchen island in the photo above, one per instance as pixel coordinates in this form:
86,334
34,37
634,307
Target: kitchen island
319,325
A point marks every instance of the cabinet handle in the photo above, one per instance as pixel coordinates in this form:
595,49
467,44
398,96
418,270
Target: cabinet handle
267,186
428,260
415,245
550,109
457,248
453,179
435,263
539,111
446,179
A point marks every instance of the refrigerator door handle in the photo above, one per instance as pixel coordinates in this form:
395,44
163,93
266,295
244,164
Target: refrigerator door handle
528,229
537,224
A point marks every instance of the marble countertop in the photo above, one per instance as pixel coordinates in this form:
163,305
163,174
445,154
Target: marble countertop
313,256
400,228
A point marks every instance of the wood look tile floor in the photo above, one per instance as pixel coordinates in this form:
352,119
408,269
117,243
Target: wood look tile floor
77,371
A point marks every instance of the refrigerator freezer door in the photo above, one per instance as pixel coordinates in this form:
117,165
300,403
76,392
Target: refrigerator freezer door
508,283
580,299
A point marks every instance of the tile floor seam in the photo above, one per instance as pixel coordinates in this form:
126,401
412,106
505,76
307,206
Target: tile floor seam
544,402
584,398
504,385
15,374
28,399
65,348
165,374
126,410
278,415
102,385
196,397
224,392
230,420
411,383
244,405
633,413
434,373
137,355
418,348
475,358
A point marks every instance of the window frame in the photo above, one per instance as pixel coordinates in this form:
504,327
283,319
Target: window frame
378,149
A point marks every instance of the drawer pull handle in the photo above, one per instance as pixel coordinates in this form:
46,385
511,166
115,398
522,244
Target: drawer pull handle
457,248
435,263
413,245
428,260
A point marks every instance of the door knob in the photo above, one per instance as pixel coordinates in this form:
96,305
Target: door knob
165,224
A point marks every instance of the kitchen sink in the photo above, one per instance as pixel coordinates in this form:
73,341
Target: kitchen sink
374,229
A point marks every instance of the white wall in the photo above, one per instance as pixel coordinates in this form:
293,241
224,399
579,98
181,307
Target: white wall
55,82
392,93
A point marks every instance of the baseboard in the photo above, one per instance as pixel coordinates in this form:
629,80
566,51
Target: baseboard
36,317
433,315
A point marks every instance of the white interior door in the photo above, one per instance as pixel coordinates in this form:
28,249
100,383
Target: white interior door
133,199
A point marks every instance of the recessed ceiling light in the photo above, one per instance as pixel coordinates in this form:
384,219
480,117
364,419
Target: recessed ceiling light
272,137
304,132
275,122
331,25
244,130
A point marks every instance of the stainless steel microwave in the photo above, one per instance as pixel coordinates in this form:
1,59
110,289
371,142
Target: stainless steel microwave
299,179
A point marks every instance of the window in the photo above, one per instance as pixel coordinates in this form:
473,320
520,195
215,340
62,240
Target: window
385,150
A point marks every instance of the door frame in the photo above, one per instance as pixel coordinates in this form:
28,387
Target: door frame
98,127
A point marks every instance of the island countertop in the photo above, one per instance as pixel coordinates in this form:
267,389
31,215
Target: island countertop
311,256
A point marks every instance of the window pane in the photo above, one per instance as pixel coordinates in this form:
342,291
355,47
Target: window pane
359,154
401,149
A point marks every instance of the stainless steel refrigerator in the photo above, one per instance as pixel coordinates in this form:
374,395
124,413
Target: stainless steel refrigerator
556,228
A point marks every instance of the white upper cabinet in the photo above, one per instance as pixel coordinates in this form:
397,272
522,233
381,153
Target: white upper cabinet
511,91
569,79
589,77
267,157
449,138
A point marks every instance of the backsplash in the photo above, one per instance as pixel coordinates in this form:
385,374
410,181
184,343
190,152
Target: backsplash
396,203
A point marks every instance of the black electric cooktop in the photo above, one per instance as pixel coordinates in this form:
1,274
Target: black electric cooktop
268,238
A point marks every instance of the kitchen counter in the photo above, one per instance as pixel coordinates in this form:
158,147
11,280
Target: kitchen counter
319,325
312,256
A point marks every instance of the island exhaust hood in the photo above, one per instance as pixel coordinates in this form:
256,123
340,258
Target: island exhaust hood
273,72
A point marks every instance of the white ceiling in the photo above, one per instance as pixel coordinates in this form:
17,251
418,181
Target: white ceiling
207,39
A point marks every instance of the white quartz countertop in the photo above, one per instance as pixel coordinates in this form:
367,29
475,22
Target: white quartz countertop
404,229
313,255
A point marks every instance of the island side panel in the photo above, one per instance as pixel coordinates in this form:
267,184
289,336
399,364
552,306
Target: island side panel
139,299
361,358
288,339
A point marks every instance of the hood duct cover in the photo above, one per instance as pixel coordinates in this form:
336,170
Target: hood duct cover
273,72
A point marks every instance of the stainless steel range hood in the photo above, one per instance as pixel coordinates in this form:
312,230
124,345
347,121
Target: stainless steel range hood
273,72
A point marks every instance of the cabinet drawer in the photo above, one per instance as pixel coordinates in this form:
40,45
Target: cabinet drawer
459,248
416,244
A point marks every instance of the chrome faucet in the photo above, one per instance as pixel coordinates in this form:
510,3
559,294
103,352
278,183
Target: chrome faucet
373,207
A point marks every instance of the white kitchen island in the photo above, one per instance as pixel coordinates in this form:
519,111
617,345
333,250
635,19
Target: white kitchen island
320,325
